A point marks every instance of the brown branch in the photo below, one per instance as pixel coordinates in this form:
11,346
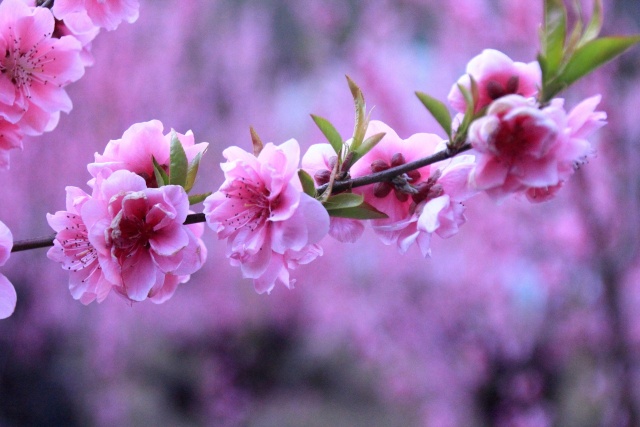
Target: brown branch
386,175
389,174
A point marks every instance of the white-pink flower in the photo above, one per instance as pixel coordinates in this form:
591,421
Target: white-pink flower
523,148
496,75
393,197
138,145
8,296
35,67
319,161
270,225
103,13
136,233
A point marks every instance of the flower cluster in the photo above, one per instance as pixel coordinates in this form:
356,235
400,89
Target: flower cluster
128,234
523,145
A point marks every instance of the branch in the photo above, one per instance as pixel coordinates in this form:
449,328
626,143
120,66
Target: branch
388,174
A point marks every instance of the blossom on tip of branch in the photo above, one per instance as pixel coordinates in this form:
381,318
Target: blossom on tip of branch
8,296
106,14
271,226
496,76
524,148
34,67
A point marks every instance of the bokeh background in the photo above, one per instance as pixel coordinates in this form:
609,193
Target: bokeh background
530,316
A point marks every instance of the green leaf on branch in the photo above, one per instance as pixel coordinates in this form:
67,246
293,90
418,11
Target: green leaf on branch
360,127
308,184
329,132
552,37
591,56
197,198
161,176
364,211
343,201
438,110
367,146
192,172
178,163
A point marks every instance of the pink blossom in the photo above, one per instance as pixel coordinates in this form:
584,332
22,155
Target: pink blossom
10,138
139,143
270,225
527,149
103,13
496,75
136,233
8,295
319,161
393,198
437,207
73,250
35,68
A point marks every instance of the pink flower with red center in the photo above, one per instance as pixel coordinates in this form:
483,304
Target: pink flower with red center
138,145
103,13
437,206
319,161
73,250
8,297
139,236
497,76
523,148
34,67
271,226
393,197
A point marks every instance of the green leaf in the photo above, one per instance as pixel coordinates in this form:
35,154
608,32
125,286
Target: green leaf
160,174
192,172
367,145
591,56
438,110
364,211
178,162
308,184
552,38
197,198
360,126
329,132
343,201
595,24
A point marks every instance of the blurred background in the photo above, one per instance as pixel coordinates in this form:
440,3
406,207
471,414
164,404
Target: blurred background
530,316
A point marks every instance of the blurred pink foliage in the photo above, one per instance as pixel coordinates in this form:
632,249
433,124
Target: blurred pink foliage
509,323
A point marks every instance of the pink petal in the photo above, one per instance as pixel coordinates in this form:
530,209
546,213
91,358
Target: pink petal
8,298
